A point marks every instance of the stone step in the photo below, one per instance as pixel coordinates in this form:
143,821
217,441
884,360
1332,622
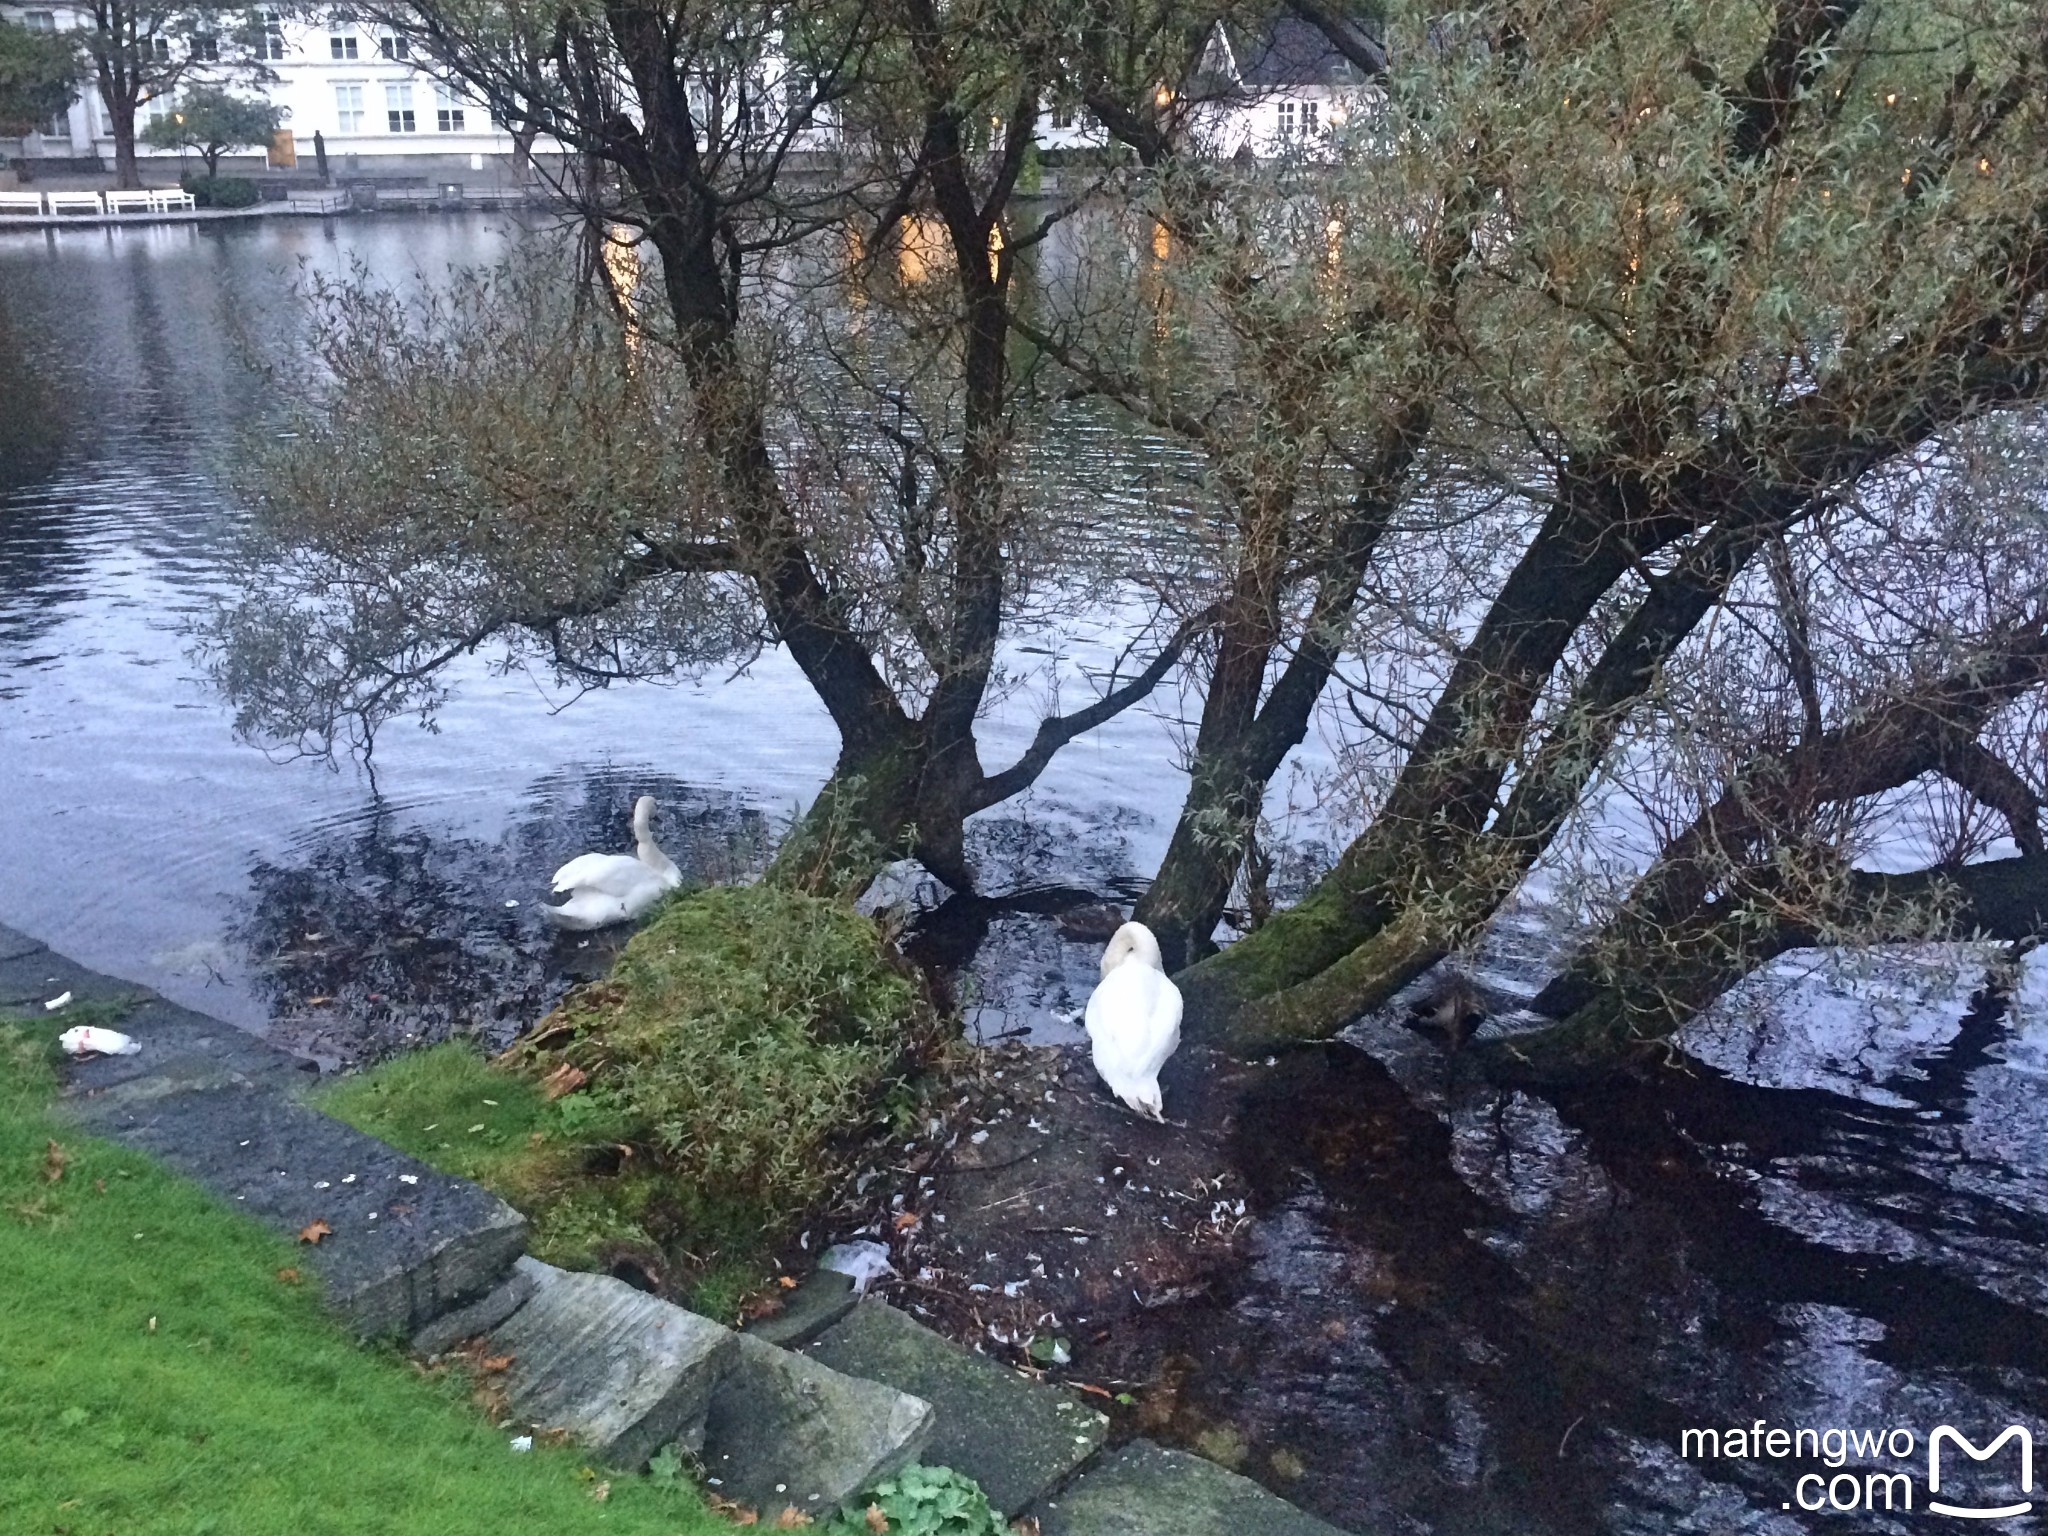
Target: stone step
785,1432
404,1244
1016,1437
623,1372
822,1299
1144,1490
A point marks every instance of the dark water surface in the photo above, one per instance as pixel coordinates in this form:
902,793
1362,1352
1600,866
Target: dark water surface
1464,1311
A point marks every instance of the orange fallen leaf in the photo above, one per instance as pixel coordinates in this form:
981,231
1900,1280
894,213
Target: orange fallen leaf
1089,1386
314,1230
787,1282
731,1510
54,1158
566,1078
905,1220
878,1523
490,1365
790,1519
289,1275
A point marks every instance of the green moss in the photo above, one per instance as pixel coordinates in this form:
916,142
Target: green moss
744,1037
163,1379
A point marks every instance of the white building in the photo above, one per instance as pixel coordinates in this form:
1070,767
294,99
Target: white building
376,111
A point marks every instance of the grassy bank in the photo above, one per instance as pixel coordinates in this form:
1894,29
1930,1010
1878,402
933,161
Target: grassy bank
162,1374
689,1110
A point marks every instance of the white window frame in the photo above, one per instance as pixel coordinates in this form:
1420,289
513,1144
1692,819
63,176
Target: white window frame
342,42
273,46
398,112
1286,115
450,111
349,110
394,45
1311,113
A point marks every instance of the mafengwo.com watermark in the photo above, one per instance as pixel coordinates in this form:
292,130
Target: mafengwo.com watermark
1845,1471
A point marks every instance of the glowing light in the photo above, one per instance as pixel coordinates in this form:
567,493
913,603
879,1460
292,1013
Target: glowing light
1162,97
1906,176
1984,166
1891,98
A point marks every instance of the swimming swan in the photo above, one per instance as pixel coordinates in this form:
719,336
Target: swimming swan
607,888
1134,1019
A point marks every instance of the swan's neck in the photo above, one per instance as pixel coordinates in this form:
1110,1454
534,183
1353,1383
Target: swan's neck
649,851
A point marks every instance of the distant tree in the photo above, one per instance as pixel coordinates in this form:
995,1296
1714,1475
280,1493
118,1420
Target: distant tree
38,76
210,122
141,51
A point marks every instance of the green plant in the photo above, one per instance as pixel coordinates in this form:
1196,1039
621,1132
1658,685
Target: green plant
921,1501
222,192
744,1035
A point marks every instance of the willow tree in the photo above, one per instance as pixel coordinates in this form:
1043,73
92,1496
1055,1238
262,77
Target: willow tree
782,178
1750,261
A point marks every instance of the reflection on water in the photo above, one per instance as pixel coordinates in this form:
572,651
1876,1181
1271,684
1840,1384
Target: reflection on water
378,934
1465,1312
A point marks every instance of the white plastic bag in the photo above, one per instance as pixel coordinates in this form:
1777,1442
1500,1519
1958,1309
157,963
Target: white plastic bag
86,1040
864,1261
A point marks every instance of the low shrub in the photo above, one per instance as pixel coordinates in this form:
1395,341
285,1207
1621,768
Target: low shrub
221,192
692,1107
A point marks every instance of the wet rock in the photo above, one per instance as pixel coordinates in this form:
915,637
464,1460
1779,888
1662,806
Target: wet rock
822,1300
1143,1490
623,1372
785,1431
1015,1437
1096,922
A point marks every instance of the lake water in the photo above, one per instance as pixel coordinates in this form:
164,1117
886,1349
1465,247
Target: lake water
1464,1311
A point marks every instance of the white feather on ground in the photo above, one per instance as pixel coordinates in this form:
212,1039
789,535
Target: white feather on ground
1133,1019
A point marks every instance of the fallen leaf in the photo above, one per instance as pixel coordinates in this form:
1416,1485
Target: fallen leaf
566,1078
491,1364
151,1326
1025,1525
787,1282
905,1220
730,1510
790,1518
54,1158
601,1492
315,1002
314,1230
289,1275
1088,1386
878,1522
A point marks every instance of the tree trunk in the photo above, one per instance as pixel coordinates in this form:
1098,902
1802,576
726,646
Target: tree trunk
1632,1020
121,121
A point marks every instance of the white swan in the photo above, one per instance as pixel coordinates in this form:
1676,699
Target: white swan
607,888
1134,1019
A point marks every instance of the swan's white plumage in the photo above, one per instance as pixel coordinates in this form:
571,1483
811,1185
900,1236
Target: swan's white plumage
608,888
1133,1019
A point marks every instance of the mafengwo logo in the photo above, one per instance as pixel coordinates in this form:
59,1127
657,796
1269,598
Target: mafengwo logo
1864,1470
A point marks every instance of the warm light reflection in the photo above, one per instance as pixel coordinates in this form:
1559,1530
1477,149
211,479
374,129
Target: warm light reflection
619,258
921,249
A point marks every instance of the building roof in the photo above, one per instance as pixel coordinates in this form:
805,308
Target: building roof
1288,51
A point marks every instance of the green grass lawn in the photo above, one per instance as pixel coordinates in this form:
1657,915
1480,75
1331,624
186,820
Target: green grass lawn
158,1376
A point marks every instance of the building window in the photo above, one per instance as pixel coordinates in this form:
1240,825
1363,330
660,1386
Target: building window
398,108
40,21
157,48
447,110
1309,113
206,50
392,46
348,108
273,35
1062,115
1286,119
156,109
341,44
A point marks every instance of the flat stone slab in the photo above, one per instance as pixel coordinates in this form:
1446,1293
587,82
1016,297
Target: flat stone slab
820,1301
1144,1490
404,1244
625,1373
1016,1437
786,1432
476,1319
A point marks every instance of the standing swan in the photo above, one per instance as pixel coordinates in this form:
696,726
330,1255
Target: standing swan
607,888
1134,1019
